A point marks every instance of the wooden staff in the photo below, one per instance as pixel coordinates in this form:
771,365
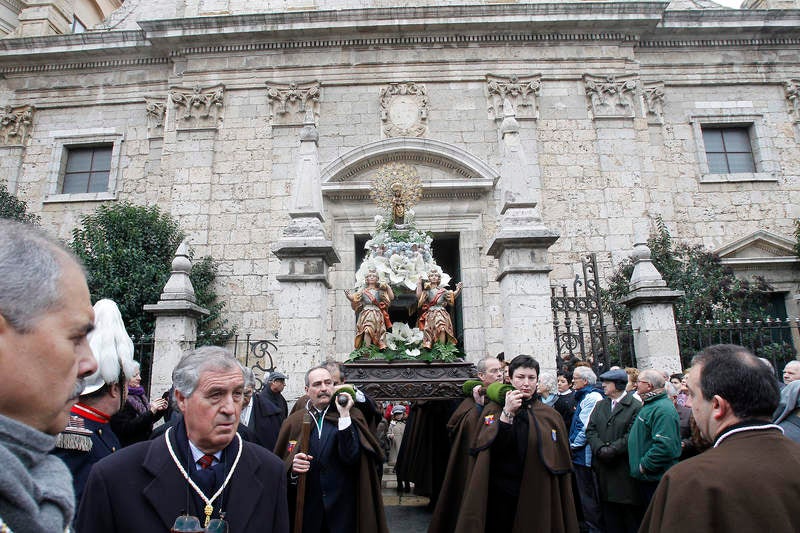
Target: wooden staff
305,435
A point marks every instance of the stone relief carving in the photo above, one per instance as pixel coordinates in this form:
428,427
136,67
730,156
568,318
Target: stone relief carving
197,108
404,110
521,93
15,124
156,111
653,98
611,97
289,104
792,89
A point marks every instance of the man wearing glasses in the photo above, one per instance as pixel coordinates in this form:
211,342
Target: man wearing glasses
200,470
462,428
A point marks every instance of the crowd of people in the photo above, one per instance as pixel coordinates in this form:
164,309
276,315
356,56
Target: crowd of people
713,449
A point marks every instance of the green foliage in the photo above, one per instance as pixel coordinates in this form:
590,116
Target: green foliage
712,291
440,351
128,251
14,208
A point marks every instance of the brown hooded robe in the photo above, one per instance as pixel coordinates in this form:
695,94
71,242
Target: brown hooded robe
545,499
370,515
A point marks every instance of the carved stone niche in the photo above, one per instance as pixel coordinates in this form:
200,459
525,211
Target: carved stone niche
792,89
611,96
289,104
156,111
15,124
523,94
409,380
404,110
197,108
653,100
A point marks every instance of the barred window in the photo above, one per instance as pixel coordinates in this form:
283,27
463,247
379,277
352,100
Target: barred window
728,150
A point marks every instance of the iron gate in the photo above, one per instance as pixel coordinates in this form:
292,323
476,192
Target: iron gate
580,333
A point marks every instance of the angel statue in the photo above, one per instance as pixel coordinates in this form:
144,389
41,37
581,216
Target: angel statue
371,303
434,320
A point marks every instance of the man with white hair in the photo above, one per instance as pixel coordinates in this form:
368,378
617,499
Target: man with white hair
587,394
791,372
45,316
102,397
199,473
654,444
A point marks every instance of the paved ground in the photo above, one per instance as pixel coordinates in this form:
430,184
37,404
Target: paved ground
407,518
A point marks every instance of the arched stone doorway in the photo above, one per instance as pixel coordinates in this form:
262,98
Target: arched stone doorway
457,190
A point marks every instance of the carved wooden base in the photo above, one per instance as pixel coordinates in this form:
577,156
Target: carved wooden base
404,380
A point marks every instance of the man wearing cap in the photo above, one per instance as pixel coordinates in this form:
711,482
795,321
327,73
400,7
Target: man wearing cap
260,417
607,433
45,316
273,392
462,428
200,467
102,397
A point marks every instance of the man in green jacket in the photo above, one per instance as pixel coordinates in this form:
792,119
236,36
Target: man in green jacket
654,444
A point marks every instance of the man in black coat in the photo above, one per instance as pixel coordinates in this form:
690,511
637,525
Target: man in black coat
273,392
607,433
199,467
261,417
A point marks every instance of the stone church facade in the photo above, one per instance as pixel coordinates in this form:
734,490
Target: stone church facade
541,132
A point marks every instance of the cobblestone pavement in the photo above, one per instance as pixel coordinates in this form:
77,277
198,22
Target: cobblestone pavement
408,518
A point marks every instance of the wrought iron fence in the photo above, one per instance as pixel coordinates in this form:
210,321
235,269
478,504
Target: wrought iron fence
255,353
772,339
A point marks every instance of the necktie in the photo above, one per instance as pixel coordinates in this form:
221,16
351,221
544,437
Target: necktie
205,461
613,404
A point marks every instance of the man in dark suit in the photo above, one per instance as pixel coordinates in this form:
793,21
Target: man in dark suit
261,417
342,491
273,392
200,467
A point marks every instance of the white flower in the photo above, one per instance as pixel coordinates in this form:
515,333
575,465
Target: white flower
413,353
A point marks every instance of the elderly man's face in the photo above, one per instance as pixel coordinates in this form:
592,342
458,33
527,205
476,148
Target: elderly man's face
320,388
212,411
493,373
42,368
791,372
579,383
277,386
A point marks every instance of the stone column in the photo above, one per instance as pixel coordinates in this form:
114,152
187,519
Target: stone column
176,323
305,254
44,17
521,246
655,336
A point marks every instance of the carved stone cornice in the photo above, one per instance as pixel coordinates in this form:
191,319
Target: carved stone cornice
156,111
404,109
653,99
792,90
522,93
289,104
197,108
15,124
611,96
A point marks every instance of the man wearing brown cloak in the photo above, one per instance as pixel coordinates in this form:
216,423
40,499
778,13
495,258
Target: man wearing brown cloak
522,478
343,493
748,480
462,428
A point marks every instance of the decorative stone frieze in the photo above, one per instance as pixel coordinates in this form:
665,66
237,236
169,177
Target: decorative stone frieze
289,104
156,111
404,110
653,99
521,93
611,96
197,108
792,90
15,124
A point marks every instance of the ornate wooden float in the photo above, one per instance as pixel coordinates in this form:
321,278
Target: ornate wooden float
409,380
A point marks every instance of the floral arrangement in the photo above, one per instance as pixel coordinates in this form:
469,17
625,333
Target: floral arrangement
399,255
405,343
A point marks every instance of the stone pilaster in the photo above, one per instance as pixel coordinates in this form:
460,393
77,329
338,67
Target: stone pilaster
525,292
655,336
305,254
176,322
44,17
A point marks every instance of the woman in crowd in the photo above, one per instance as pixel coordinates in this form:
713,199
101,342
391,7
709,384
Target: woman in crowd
134,422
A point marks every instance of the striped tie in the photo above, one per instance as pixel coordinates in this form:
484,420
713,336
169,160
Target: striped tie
205,461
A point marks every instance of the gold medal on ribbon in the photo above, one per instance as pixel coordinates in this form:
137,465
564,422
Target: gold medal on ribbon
208,510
